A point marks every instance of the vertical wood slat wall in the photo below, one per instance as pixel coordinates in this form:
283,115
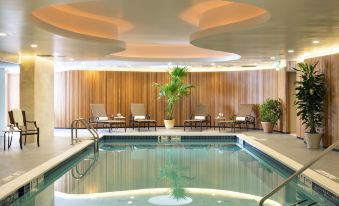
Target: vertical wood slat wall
221,91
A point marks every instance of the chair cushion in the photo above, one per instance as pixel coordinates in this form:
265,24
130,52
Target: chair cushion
18,118
199,117
139,117
240,118
102,118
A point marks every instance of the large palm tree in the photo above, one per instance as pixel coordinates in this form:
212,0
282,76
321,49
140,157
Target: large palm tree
174,90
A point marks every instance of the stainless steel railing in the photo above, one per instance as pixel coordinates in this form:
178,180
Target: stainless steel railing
301,170
89,127
78,174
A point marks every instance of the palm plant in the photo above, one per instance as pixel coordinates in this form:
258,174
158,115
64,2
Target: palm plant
174,90
310,92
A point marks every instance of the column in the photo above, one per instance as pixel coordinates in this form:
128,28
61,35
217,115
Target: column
37,93
2,98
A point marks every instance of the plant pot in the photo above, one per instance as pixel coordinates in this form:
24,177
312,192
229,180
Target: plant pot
267,126
312,140
169,124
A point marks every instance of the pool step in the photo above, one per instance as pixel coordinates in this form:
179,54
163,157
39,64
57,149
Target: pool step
305,202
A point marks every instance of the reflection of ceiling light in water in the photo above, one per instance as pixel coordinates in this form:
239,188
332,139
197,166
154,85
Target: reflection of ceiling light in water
169,200
130,202
219,201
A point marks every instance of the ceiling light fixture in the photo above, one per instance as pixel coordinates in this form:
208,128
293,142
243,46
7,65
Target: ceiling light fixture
212,64
34,45
272,58
3,34
315,42
290,51
71,59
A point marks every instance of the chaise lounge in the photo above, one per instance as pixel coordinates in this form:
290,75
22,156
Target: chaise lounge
245,117
139,117
200,117
99,116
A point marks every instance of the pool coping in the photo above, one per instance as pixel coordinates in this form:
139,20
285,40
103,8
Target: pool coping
317,182
9,189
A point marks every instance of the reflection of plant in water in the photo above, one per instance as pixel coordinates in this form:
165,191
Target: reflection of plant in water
177,178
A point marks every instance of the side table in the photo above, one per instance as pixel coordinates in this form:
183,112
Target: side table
8,133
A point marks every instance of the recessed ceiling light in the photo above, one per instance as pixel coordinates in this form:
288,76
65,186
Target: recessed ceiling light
34,45
290,51
272,58
3,34
315,42
212,64
71,59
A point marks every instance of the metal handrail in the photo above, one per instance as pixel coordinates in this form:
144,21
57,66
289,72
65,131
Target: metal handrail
79,175
305,167
89,127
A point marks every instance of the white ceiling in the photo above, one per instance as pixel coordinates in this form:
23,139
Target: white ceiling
154,32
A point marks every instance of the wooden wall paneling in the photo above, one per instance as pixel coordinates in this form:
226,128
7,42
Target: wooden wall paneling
221,91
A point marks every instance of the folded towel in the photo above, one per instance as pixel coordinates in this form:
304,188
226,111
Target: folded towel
139,117
199,117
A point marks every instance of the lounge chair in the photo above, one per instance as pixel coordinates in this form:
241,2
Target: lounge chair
139,117
99,116
245,116
200,117
17,117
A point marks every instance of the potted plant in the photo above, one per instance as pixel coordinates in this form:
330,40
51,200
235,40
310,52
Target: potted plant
310,93
270,113
173,91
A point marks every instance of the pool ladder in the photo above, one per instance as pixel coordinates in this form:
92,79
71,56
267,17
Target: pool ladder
301,170
76,171
74,132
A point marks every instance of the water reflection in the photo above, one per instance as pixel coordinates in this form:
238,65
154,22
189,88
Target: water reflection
124,167
177,177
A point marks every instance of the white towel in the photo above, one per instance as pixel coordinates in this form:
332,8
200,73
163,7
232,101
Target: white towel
102,118
240,118
139,117
199,117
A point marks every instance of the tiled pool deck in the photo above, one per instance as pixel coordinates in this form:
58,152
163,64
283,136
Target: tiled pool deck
15,162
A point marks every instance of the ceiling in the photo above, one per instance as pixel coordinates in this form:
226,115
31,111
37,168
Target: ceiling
211,34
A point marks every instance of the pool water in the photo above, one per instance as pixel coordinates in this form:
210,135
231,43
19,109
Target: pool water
145,174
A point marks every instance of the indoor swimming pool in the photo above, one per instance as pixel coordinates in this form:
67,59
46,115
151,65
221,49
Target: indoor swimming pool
170,172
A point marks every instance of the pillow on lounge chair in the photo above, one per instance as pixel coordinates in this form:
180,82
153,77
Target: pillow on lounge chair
199,117
240,118
139,117
102,118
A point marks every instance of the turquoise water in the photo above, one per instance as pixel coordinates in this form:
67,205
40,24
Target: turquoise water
145,174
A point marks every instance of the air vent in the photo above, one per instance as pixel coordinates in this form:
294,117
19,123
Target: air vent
248,65
50,56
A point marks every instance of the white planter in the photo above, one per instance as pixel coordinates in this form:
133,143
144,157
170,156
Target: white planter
312,140
169,124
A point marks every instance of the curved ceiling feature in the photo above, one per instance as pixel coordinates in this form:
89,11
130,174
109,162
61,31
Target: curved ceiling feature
172,53
287,25
69,18
214,13
190,31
